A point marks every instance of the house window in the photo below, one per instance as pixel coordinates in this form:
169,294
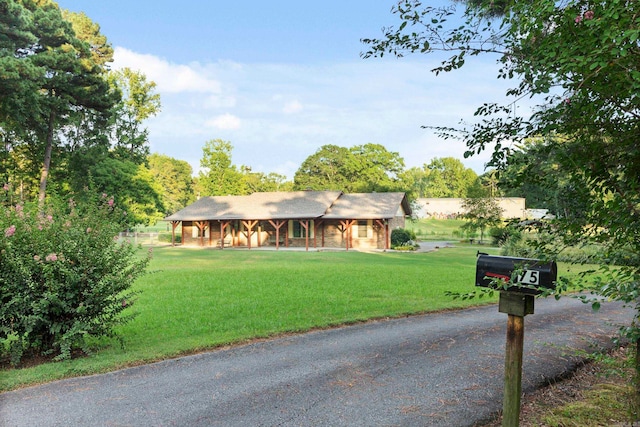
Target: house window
297,230
362,229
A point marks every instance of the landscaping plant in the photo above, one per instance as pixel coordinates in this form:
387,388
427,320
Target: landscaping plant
64,276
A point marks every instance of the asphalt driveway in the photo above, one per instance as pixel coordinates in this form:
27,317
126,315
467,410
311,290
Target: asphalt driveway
443,369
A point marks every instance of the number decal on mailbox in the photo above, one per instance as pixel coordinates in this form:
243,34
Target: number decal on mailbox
528,277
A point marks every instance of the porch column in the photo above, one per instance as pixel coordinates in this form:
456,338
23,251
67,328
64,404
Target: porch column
316,225
249,225
202,226
277,224
346,225
304,223
174,225
223,226
286,236
384,225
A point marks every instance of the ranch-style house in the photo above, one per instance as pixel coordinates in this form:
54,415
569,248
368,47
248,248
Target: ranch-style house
317,219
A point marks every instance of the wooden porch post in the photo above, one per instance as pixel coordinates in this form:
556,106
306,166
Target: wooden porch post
174,225
286,236
317,223
384,225
202,226
277,225
347,224
387,234
223,226
249,225
304,223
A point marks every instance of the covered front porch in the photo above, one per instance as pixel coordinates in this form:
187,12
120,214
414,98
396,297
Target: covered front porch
298,233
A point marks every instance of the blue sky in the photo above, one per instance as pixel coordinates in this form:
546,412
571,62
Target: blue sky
280,79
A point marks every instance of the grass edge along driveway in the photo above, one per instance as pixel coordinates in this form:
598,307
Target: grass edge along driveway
195,300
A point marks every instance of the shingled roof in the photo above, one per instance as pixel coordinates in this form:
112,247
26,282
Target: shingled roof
369,206
295,205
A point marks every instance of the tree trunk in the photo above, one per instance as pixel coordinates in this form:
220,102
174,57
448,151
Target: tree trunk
47,158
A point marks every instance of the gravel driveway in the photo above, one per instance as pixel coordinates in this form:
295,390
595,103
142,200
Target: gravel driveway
443,369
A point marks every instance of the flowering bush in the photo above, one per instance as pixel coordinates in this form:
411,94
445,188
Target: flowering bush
64,276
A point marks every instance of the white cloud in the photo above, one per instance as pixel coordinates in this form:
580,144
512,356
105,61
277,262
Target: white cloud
225,122
170,78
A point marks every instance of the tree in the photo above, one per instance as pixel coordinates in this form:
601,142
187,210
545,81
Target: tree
53,77
371,167
260,182
220,176
72,81
448,177
326,169
534,172
174,176
481,213
581,61
132,187
361,168
139,102
414,182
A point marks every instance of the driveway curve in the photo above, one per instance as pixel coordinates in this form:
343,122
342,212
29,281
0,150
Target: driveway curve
441,369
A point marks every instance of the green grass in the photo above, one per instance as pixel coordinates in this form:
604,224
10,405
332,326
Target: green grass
610,401
195,300
436,229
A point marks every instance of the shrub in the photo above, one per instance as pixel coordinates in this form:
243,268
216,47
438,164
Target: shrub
64,277
401,236
500,235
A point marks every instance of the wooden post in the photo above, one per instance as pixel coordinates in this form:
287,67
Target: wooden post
223,227
513,372
384,226
249,226
347,224
202,226
516,305
174,224
304,223
316,225
277,224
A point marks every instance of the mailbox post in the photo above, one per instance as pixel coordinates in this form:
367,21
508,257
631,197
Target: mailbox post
524,278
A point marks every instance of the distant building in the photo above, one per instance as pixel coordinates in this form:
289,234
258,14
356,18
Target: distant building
451,208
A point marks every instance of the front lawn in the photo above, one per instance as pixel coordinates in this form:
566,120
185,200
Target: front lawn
194,300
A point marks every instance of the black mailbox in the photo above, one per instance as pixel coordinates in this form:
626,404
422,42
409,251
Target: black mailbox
517,272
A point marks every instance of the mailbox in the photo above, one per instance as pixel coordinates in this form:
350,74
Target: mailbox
517,272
